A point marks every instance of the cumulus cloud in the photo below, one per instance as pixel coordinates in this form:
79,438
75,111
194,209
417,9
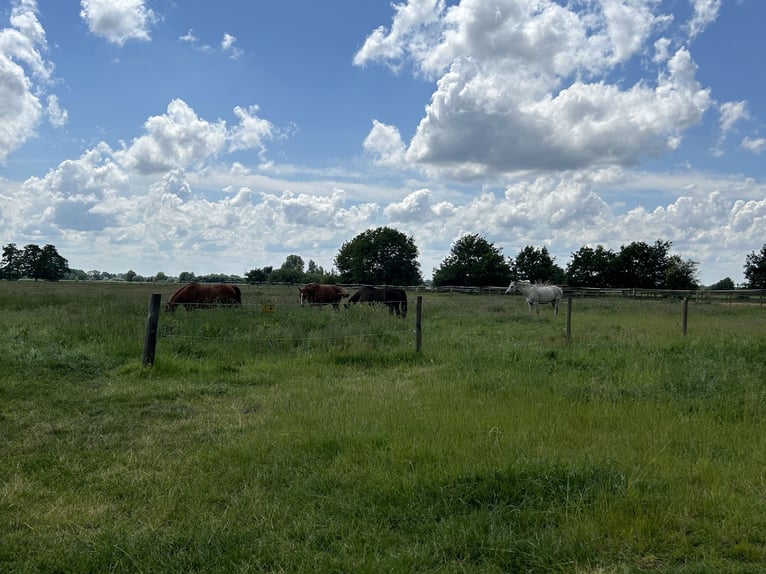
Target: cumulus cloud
755,145
252,131
119,21
525,86
227,45
24,77
177,139
385,145
704,13
416,207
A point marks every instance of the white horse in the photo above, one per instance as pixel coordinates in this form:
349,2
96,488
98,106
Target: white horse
537,293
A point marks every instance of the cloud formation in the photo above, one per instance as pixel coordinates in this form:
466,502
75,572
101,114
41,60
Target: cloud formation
531,136
118,22
527,86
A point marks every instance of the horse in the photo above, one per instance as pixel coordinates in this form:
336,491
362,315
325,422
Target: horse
393,297
195,295
318,294
538,293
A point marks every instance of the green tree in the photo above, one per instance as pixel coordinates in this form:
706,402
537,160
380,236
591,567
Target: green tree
258,275
130,276
186,277
591,267
680,274
43,263
725,284
379,256
473,261
755,269
642,265
11,264
536,265
291,271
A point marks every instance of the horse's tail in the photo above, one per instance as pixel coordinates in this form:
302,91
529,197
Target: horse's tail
237,295
403,305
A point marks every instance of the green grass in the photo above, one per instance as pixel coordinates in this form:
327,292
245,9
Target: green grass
303,440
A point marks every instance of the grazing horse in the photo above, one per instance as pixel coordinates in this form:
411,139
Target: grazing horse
195,295
538,293
393,297
318,294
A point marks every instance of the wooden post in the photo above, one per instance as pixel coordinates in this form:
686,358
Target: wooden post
686,314
419,324
569,319
150,335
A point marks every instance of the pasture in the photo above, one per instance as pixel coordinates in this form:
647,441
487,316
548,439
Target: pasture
275,438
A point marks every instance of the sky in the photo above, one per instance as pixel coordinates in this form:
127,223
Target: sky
219,137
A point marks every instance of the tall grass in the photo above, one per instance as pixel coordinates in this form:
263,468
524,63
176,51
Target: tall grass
296,439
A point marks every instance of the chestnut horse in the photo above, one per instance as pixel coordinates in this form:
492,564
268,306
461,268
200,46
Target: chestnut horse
318,294
195,295
393,297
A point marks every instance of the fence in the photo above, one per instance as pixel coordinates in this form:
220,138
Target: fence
151,332
571,294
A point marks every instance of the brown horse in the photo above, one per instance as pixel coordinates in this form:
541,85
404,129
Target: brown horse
195,295
318,294
393,297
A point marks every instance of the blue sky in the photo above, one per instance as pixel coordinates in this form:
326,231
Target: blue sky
220,137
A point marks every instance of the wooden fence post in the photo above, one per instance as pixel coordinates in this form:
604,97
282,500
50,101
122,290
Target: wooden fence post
150,335
686,314
569,319
418,323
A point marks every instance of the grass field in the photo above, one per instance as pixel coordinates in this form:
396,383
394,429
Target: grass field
274,438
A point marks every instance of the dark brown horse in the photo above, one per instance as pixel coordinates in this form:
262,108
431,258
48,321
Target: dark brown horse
318,294
393,297
195,295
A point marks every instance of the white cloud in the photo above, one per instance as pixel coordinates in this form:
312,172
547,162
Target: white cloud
416,208
385,144
755,145
118,20
227,45
252,131
57,116
705,13
731,113
24,77
177,139
523,86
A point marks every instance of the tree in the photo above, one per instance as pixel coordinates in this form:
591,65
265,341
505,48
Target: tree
725,284
755,269
536,265
591,267
43,263
641,265
290,272
259,275
186,277
10,266
473,261
680,274
379,256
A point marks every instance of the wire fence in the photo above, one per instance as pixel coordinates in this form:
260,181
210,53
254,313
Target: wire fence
269,324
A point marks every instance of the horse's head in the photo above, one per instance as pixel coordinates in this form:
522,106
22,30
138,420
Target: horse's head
308,293
511,288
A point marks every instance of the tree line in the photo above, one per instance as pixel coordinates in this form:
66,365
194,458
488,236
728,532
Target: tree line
386,256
